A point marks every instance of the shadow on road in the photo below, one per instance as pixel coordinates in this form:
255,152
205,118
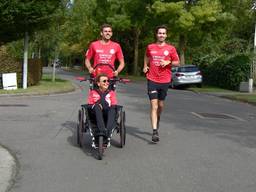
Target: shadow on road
72,140
139,134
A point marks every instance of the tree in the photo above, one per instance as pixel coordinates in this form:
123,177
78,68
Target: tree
78,30
191,17
228,36
129,18
21,18
18,17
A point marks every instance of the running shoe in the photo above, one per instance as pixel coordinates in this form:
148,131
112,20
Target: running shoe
155,136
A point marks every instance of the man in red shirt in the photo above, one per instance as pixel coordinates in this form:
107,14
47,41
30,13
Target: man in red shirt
105,51
159,58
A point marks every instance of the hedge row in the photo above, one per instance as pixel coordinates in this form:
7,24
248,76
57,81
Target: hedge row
227,72
10,65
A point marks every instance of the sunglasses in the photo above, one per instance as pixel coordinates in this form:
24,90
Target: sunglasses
105,80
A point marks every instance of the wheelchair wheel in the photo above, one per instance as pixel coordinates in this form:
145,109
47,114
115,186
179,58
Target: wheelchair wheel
78,142
100,148
80,127
122,129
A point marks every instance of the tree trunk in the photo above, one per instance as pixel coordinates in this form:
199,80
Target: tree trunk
56,58
182,48
39,53
25,61
136,50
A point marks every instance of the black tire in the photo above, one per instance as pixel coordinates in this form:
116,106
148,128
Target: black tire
78,142
122,129
80,128
100,148
199,85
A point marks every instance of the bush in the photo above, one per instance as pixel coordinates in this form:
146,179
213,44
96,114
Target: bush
227,72
11,65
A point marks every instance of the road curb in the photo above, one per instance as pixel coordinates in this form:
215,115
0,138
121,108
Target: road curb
8,169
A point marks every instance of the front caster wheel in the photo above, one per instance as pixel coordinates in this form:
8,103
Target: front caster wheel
122,129
100,148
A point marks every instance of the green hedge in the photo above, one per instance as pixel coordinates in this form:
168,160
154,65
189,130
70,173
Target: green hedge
227,72
11,65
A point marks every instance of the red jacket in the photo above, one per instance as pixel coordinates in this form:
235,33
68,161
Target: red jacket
94,96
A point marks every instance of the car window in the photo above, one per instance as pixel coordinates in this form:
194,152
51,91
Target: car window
188,69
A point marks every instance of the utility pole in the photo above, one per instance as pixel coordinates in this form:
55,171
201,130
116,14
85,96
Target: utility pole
252,67
253,63
25,61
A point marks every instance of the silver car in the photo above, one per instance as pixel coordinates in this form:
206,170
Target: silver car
186,75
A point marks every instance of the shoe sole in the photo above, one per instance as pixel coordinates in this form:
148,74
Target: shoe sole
155,140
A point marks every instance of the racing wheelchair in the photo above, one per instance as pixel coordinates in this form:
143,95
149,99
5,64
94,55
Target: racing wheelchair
87,122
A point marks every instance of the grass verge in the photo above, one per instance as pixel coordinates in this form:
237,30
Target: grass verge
210,89
233,95
247,98
45,87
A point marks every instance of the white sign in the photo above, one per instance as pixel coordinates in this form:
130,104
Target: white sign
9,81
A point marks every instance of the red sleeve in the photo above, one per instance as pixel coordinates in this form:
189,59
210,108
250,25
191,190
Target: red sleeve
113,98
174,55
119,53
90,52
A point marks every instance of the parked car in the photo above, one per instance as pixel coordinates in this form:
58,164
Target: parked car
186,75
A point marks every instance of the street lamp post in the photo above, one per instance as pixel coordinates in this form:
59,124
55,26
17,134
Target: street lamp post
254,55
253,63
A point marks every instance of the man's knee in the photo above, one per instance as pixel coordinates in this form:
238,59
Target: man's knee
160,105
154,105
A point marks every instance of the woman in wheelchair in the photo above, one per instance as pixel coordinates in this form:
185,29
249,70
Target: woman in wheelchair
102,107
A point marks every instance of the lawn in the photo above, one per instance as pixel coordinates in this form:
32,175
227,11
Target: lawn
234,95
45,86
248,98
210,89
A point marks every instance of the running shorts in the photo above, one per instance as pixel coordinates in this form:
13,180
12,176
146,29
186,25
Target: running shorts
157,90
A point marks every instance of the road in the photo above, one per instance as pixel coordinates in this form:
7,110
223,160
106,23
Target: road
207,144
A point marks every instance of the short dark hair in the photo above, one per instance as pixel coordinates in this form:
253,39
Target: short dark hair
105,25
161,27
97,79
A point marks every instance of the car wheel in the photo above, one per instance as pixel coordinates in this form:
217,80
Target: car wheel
199,85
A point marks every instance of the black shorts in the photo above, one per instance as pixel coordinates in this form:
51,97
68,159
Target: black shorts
157,90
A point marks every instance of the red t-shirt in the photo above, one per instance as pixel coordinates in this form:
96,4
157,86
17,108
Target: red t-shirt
94,96
155,54
104,53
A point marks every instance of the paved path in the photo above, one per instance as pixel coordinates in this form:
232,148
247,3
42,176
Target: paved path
194,154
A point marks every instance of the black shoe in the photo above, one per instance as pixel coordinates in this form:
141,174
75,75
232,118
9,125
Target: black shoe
155,136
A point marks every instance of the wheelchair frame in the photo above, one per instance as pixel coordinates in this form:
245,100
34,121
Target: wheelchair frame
85,125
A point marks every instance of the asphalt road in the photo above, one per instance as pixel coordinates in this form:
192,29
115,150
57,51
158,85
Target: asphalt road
207,144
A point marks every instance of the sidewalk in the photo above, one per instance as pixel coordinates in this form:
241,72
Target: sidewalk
8,169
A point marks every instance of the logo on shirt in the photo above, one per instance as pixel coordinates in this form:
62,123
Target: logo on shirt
153,52
112,51
99,51
166,53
